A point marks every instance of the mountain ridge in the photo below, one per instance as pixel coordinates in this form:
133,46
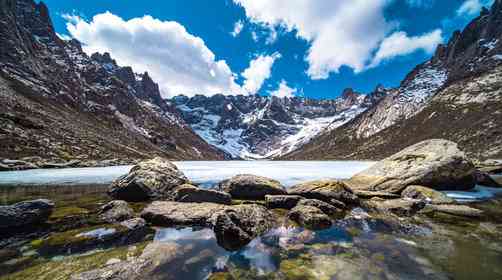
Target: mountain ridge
61,104
462,106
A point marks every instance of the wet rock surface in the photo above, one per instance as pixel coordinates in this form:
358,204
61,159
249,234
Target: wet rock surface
251,187
236,226
152,179
282,201
116,211
400,207
437,164
427,195
26,213
168,213
325,207
310,217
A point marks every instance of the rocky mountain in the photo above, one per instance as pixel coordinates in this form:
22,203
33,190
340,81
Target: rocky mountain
456,95
254,127
60,104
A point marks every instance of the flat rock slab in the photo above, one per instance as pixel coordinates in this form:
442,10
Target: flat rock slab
325,190
457,210
437,164
169,213
428,195
399,207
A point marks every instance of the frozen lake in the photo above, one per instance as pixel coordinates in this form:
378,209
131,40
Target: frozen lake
206,173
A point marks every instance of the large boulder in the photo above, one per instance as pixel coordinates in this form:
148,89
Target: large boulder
426,194
251,187
25,213
169,213
189,193
116,211
152,179
437,164
310,217
236,226
330,191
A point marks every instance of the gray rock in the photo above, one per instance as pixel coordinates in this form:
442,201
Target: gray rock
426,194
325,207
25,213
310,217
116,211
169,213
325,190
282,201
236,226
399,207
251,187
152,179
486,180
370,194
437,164
457,210
189,193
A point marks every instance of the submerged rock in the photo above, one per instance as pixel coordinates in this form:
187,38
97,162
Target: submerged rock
116,211
189,193
25,213
282,201
236,226
426,194
325,190
251,187
437,164
81,240
152,179
310,217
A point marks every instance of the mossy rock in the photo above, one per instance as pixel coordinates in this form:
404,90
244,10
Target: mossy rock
85,239
71,265
68,211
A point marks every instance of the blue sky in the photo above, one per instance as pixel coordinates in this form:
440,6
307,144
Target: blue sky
188,45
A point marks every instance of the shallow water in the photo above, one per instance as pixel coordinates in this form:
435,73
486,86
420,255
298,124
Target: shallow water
442,248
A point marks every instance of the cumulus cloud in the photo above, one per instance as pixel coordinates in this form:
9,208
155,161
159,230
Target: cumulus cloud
472,7
340,32
238,26
399,44
283,90
180,62
259,70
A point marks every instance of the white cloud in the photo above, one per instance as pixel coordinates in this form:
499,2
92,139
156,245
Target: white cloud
180,62
259,70
341,32
472,7
238,26
399,44
254,35
283,90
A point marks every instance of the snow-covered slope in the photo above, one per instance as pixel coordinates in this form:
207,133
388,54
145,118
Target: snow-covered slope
257,127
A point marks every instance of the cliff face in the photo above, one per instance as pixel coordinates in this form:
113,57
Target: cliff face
59,103
455,95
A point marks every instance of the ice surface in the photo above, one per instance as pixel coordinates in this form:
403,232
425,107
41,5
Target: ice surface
206,173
